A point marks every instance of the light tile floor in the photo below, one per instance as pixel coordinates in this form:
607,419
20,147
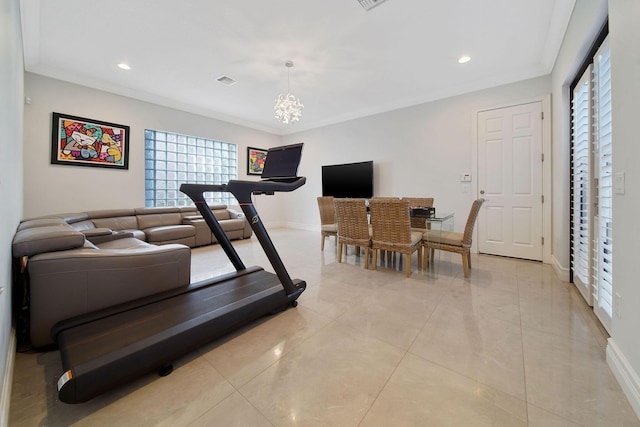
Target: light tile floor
510,346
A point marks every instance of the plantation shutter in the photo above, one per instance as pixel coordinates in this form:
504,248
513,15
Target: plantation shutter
581,160
603,292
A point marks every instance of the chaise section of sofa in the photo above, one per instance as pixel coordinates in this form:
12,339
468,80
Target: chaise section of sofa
69,276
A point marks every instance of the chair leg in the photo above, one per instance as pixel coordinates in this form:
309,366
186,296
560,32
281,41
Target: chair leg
322,236
469,259
465,265
419,257
366,258
425,255
375,259
340,252
408,256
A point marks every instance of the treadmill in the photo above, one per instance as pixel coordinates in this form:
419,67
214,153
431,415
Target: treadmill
104,349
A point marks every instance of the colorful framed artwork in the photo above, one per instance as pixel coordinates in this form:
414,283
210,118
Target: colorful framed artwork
78,141
255,160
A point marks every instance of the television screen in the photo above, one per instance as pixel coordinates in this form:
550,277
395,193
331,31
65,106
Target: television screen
348,180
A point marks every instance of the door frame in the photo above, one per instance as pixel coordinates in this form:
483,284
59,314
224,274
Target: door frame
546,172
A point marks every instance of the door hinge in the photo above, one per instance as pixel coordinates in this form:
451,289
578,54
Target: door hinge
542,240
542,157
542,197
541,115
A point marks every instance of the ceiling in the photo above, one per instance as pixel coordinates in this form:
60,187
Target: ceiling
348,62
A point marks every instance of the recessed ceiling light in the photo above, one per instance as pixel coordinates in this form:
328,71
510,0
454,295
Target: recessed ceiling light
124,66
464,59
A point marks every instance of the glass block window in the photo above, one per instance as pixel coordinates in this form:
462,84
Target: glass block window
172,159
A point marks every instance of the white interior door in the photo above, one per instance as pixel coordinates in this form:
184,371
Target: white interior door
510,181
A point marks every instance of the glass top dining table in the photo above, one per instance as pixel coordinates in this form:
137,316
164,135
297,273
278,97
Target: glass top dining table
437,223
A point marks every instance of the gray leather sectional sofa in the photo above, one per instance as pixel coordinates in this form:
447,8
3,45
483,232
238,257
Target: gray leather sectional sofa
76,264
159,225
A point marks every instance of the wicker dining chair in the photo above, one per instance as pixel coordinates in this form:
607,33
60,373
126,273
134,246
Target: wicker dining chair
452,241
421,202
328,225
353,227
391,230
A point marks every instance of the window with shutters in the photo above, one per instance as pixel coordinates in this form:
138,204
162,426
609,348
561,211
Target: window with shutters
603,292
581,198
592,183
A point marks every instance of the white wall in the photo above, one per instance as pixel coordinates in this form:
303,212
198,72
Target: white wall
11,95
624,40
586,20
59,188
418,151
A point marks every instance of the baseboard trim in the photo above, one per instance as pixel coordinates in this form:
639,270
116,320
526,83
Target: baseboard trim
301,226
561,272
5,397
625,374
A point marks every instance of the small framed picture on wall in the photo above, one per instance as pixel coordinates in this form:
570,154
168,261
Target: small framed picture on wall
255,160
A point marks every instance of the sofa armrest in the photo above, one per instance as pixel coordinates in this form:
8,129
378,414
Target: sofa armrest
101,235
247,230
235,214
37,240
93,232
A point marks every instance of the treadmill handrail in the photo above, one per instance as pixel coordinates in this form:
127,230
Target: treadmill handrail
242,191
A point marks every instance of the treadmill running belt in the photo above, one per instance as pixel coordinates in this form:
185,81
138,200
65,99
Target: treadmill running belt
98,355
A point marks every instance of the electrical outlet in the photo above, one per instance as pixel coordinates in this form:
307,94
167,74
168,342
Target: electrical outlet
618,182
617,305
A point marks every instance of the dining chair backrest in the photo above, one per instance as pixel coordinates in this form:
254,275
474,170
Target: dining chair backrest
390,220
420,202
352,220
471,222
327,210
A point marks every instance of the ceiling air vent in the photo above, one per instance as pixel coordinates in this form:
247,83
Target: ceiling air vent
226,80
370,4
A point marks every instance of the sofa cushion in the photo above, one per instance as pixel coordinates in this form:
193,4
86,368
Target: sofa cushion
117,223
37,240
126,243
169,232
232,224
157,220
85,225
221,214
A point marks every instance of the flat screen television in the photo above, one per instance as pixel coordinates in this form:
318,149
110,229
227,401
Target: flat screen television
348,180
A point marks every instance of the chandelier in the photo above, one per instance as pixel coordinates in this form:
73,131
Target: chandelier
288,108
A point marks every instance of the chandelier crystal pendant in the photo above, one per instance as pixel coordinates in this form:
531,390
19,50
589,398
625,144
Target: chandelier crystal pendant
288,108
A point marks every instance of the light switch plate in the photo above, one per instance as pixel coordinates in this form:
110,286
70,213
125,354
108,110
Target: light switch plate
618,182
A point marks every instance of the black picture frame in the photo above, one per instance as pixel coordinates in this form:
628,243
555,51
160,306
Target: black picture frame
79,141
255,160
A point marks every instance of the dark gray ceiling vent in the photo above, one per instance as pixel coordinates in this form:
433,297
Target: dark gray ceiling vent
370,4
226,80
